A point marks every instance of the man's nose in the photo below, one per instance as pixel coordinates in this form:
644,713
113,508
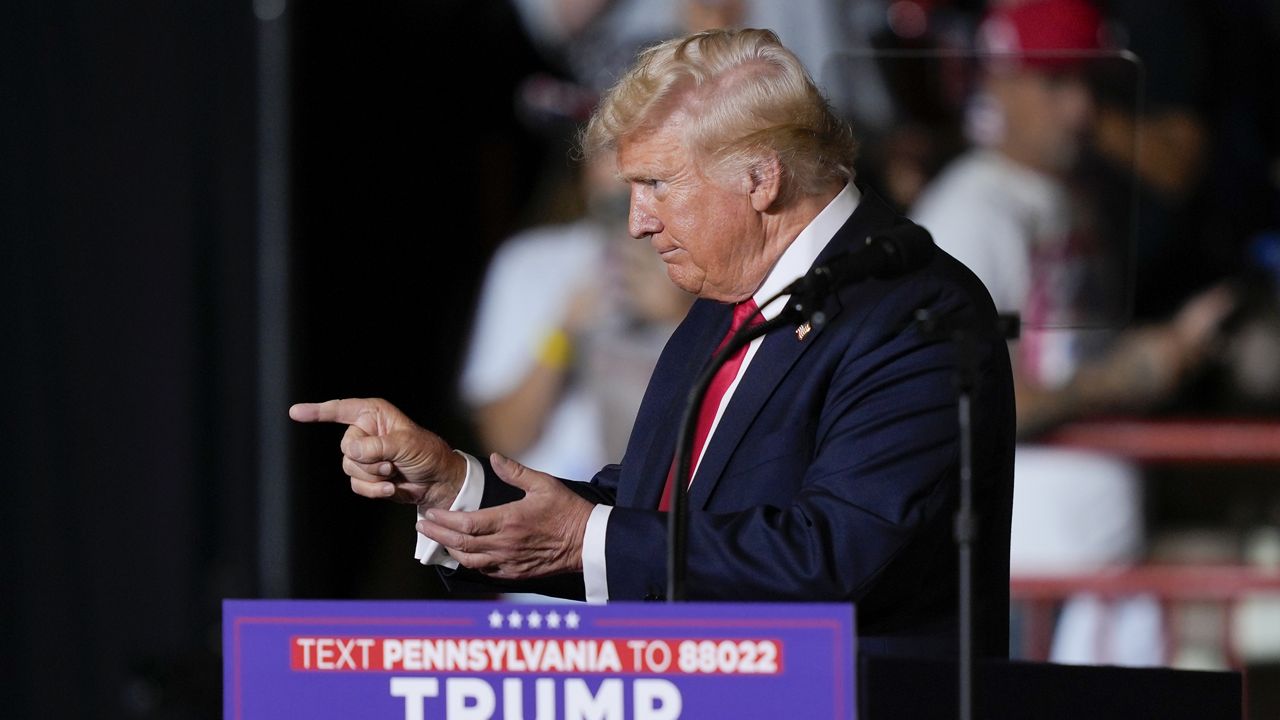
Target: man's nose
640,219
1077,102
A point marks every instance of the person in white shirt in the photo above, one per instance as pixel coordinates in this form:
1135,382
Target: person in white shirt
1005,209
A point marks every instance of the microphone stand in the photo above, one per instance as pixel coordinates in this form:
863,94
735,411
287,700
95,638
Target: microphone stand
678,516
963,331
801,306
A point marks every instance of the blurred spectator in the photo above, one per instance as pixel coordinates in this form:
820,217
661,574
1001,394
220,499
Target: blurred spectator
1010,211
570,323
1165,169
901,81
593,40
1207,209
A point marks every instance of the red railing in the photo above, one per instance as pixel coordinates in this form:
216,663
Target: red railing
1177,441
1170,585
1229,441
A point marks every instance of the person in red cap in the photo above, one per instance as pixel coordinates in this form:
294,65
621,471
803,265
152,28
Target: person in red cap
1043,32
1034,55
1007,210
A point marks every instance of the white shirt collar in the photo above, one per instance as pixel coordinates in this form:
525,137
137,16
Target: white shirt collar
803,251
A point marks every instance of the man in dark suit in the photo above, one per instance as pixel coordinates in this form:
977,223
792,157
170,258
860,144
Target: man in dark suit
829,458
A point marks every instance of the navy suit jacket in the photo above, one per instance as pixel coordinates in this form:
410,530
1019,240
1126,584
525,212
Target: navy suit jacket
833,474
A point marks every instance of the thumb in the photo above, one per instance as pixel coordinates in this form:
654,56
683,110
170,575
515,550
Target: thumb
512,472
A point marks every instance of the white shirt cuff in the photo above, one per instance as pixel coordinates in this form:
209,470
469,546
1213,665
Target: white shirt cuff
430,552
595,577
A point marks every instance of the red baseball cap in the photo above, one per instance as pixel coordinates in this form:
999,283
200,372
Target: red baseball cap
1045,34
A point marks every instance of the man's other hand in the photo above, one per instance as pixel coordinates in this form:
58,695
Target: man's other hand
540,534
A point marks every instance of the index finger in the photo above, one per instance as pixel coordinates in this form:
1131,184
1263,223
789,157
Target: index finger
344,411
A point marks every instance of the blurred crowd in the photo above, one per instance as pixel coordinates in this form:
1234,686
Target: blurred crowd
1113,176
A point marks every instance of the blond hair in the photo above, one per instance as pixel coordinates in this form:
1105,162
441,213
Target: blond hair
746,96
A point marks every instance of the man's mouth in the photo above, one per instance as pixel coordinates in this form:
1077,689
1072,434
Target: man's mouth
666,252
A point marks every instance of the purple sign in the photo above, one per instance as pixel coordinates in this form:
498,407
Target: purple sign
472,660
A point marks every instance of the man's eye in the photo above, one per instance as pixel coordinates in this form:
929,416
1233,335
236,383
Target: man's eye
652,183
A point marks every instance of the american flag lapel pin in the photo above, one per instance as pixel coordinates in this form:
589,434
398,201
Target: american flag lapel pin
803,331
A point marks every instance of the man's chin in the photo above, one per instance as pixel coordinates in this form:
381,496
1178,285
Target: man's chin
1064,157
681,279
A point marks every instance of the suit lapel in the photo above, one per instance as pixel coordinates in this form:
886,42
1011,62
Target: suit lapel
710,321
775,358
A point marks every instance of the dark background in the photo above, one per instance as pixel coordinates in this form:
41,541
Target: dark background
129,289
130,312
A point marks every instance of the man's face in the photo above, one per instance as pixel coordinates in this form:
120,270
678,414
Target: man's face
704,229
1046,117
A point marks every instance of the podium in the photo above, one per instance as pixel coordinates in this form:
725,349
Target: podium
477,659
468,660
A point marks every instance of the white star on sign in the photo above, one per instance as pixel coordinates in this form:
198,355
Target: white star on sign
535,619
495,619
571,620
553,619
514,619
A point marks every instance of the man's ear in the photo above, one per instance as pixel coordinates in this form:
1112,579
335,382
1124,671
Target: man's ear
765,182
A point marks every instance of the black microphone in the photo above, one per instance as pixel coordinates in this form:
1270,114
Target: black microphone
896,251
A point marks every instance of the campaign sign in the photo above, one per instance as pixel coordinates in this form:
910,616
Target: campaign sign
471,660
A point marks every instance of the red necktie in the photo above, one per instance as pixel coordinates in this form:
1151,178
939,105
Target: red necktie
715,391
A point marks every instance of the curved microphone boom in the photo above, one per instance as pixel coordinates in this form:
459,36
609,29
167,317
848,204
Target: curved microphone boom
897,251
